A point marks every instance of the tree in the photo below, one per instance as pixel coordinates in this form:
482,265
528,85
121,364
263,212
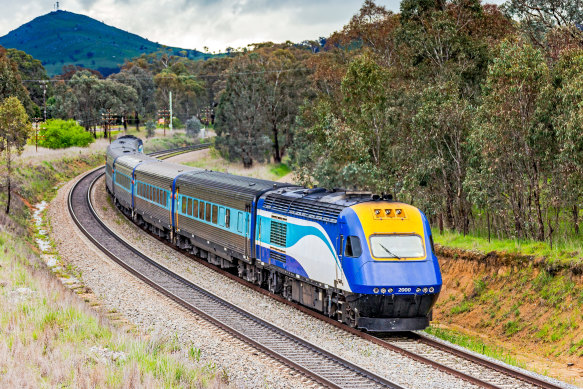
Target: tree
150,128
240,125
14,131
32,69
142,82
512,138
193,127
11,82
538,17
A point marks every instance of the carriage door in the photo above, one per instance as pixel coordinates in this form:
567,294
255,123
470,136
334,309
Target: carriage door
340,252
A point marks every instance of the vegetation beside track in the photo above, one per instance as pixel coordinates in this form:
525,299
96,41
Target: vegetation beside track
51,337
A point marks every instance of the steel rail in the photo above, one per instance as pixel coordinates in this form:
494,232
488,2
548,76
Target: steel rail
497,367
319,365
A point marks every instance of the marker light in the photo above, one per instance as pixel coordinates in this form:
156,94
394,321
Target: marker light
431,290
383,291
376,290
398,211
390,290
377,211
424,290
418,290
387,212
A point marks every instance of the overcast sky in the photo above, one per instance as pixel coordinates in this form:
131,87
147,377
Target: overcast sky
193,24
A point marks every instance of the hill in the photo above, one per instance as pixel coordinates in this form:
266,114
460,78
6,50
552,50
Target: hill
64,38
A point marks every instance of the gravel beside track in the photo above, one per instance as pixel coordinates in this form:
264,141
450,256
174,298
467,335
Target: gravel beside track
350,347
157,316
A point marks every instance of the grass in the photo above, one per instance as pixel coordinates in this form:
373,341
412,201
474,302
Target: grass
568,252
214,161
171,140
475,344
51,339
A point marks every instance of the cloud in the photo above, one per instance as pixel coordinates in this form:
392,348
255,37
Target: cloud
216,24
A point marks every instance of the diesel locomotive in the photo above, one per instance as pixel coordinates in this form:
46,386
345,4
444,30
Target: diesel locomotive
361,259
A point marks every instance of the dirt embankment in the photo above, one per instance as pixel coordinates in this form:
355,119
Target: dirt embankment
523,304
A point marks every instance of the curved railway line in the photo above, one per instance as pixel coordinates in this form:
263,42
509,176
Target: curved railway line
315,363
306,358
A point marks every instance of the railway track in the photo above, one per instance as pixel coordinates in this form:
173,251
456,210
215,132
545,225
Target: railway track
162,154
298,354
442,356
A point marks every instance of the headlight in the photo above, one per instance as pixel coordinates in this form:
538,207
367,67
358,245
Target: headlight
383,291
418,290
390,290
376,290
425,290
432,289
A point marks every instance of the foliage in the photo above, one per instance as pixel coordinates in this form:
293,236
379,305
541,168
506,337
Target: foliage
241,121
193,127
14,131
11,82
150,128
31,69
60,134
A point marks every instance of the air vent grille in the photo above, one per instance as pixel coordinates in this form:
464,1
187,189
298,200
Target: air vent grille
277,256
310,209
278,233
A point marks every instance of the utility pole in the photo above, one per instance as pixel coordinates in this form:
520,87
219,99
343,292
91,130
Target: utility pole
44,84
36,122
170,111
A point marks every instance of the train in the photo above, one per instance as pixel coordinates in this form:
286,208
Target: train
359,258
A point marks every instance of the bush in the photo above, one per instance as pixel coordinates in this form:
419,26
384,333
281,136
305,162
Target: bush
193,126
60,134
150,128
176,123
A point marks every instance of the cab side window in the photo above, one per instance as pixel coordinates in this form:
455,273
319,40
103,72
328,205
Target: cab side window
353,248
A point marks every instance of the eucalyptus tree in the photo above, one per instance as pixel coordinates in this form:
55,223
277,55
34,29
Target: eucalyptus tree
14,132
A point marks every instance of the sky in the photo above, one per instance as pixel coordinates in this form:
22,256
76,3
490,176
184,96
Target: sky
194,24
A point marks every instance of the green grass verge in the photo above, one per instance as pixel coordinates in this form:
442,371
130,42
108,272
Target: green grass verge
475,344
569,252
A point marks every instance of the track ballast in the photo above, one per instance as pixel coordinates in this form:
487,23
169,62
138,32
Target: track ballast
312,361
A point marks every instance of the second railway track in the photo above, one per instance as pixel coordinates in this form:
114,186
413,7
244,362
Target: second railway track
317,364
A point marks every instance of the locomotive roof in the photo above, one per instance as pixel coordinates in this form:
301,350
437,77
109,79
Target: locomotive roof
247,188
317,203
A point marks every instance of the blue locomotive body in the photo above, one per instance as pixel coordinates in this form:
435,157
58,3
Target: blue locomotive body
365,261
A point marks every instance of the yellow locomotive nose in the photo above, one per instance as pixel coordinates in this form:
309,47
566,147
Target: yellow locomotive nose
394,231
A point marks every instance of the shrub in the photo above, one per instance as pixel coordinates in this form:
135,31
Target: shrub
193,127
60,134
176,123
150,128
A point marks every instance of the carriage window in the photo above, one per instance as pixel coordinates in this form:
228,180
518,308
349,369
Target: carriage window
183,204
215,214
189,207
240,222
353,248
195,208
208,212
228,218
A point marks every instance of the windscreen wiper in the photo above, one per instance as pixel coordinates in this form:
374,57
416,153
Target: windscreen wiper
389,251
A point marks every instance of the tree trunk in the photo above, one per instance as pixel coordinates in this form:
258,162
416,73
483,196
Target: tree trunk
276,151
137,120
9,171
576,218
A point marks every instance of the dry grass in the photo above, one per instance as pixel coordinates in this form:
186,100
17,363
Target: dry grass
50,338
211,159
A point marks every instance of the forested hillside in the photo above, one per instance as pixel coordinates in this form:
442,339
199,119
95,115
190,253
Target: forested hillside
63,38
